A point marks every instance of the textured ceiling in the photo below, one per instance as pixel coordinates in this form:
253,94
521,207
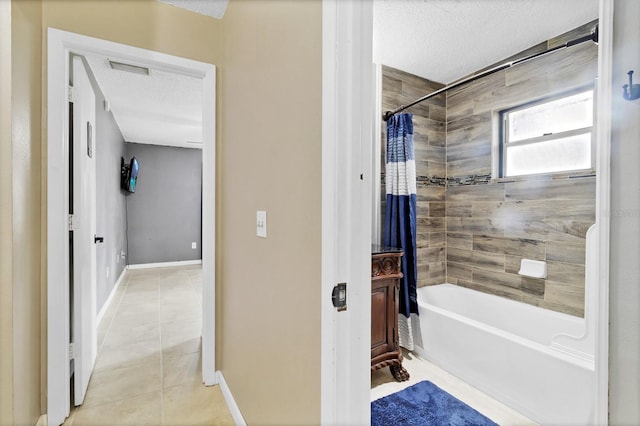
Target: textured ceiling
443,40
163,108
213,8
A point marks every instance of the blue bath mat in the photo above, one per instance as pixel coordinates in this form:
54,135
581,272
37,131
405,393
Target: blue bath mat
424,404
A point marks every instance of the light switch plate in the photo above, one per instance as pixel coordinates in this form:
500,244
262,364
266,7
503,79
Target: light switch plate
261,224
194,245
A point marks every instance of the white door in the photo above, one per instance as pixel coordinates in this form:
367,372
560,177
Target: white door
84,229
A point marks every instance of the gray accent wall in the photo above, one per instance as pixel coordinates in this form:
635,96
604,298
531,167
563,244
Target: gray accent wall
165,213
110,200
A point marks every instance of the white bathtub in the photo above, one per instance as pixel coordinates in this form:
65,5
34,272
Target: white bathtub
534,360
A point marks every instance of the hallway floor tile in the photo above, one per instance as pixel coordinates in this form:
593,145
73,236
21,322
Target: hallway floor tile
149,366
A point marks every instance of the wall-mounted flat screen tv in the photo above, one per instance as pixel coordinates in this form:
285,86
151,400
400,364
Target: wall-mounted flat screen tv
129,174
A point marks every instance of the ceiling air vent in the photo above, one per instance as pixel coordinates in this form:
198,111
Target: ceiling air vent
136,69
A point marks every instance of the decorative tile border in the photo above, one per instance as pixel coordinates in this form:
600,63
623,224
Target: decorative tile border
422,181
469,180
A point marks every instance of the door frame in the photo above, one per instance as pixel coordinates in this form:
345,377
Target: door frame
60,45
600,328
347,146
346,44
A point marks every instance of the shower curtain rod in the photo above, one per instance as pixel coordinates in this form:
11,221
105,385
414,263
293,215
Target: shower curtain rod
591,37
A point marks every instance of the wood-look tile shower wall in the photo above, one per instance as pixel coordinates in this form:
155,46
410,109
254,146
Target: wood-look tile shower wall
429,119
491,224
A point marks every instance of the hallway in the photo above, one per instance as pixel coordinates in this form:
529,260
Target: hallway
148,369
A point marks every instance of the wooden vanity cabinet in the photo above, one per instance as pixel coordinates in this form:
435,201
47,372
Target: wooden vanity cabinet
386,272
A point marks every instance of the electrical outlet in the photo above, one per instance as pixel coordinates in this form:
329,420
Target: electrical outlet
194,245
261,224
107,272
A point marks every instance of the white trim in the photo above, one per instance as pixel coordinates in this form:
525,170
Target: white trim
60,43
348,123
57,249
208,228
603,203
106,304
231,402
42,420
328,374
165,264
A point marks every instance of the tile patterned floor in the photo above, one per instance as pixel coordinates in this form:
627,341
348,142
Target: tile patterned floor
383,384
148,370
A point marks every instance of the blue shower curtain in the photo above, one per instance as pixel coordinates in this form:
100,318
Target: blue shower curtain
400,220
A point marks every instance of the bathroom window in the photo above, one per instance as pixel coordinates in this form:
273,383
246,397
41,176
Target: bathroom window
548,136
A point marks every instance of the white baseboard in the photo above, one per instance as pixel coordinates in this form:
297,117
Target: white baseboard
231,403
42,420
165,264
106,304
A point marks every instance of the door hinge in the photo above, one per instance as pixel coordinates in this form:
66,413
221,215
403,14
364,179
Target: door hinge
71,223
71,94
339,297
71,354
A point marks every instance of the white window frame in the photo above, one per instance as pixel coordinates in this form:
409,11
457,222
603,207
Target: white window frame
504,133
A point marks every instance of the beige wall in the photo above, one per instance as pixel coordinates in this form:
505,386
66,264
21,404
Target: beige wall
270,140
6,231
20,213
26,119
148,24
624,338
